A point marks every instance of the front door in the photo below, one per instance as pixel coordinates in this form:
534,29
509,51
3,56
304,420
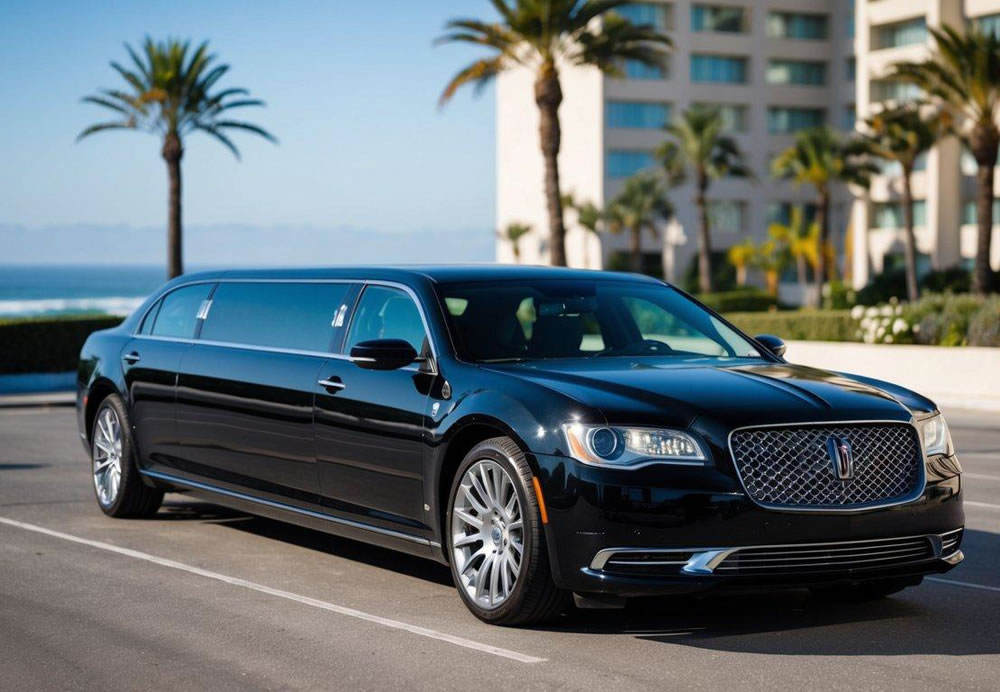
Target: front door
370,423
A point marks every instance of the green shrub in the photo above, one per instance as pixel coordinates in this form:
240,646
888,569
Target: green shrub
47,344
984,328
723,273
740,300
811,325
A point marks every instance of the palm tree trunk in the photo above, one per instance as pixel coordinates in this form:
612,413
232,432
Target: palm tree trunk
984,148
741,274
704,236
910,241
635,249
548,96
172,153
800,271
822,216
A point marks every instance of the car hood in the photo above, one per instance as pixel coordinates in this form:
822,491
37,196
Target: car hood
733,393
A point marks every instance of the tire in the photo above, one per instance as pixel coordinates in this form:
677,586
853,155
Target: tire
864,591
118,487
532,596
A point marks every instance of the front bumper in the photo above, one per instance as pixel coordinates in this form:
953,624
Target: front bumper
700,520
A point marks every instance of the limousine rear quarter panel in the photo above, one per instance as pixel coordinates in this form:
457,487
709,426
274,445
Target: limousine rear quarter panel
644,444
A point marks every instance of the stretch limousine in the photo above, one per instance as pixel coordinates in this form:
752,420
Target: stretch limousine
550,434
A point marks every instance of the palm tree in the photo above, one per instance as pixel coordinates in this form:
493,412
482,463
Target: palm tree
512,234
801,242
902,135
589,216
542,35
698,142
821,158
964,74
770,259
640,204
741,256
169,93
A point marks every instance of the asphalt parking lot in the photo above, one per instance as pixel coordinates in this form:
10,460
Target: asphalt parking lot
205,598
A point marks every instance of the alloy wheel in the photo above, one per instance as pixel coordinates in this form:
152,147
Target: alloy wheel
107,456
487,532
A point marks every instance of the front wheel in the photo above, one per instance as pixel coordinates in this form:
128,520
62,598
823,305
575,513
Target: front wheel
496,545
119,488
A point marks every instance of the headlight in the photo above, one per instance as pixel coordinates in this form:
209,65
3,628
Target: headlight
936,436
617,446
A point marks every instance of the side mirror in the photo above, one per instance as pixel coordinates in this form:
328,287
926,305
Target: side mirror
771,343
383,354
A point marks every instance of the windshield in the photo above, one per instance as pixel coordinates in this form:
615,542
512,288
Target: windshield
541,319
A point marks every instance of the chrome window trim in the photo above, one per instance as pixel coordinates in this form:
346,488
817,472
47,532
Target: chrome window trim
709,558
276,349
290,508
915,495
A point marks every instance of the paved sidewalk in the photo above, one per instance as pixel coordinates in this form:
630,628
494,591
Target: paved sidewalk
39,399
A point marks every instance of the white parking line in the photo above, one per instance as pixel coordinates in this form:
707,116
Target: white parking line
322,605
966,584
987,505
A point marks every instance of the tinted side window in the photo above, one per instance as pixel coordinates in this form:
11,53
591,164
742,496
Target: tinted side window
178,313
387,313
147,322
278,315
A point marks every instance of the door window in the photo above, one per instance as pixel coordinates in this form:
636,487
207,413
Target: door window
387,313
178,315
296,316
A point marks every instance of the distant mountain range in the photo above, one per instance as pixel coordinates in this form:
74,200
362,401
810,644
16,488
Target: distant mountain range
223,245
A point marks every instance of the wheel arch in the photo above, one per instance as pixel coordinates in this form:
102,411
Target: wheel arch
100,390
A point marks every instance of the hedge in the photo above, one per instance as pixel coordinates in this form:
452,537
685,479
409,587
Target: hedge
807,325
743,300
47,344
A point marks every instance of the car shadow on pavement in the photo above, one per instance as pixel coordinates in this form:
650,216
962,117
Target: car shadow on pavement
22,467
310,539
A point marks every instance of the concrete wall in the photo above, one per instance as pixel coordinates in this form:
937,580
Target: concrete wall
953,377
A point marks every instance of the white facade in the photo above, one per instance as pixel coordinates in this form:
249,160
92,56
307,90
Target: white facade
888,31
797,59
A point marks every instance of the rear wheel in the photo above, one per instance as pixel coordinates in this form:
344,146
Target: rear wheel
496,545
865,591
119,488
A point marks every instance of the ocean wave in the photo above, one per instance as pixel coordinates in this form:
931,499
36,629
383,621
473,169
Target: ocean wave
116,305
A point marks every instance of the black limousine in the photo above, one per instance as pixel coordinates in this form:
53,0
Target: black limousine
550,434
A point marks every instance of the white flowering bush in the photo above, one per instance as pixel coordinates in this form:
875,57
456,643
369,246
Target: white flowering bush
936,319
883,324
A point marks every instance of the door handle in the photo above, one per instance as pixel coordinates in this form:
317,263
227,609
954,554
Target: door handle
131,358
332,383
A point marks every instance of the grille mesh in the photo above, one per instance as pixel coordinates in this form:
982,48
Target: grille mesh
789,467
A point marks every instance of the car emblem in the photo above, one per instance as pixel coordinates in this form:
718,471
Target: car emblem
841,457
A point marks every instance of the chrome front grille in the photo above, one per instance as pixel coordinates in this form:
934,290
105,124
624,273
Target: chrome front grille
830,557
790,467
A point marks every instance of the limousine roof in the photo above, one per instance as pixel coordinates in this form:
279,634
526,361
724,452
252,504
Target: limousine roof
436,273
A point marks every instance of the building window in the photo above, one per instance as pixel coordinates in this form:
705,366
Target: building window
637,115
635,69
850,117
657,14
781,212
732,20
624,163
890,214
900,92
718,69
799,72
988,24
787,120
735,118
797,25
727,215
851,69
970,214
899,34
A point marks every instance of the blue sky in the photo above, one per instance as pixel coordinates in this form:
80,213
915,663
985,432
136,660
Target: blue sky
351,89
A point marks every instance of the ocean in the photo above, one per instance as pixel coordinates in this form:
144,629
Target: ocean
27,290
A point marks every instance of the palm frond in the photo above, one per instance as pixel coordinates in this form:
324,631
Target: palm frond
479,74
101,127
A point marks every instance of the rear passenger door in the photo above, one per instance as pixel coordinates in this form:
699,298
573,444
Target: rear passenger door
370,423
245,388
